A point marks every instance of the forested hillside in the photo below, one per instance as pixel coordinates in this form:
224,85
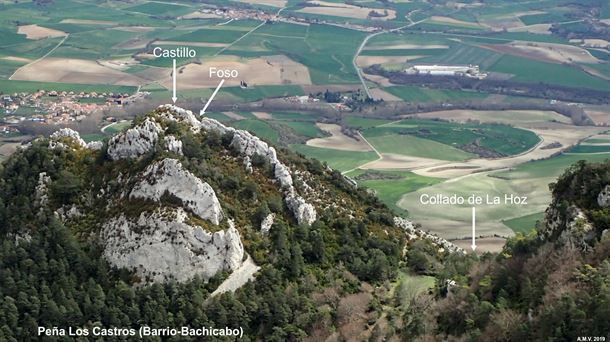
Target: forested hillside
334,262
54,273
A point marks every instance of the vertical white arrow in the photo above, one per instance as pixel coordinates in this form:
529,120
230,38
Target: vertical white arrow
174,98
474,243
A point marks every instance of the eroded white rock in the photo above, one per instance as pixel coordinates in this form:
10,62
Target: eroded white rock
173,145
248,146
304,212
414,233
41,193
168,176
174,113
135,141
66,133
267,223
161,246
603,199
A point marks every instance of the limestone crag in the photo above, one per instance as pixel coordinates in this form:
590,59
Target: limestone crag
304,212
41,193
568,226
67,133
603,198
414,234
168,176
173,145
267,223
174,113
135,141
161,246
248,146
95,145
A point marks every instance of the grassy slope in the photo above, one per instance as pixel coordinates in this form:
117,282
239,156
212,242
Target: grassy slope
413,146
524,224
339,160
391,190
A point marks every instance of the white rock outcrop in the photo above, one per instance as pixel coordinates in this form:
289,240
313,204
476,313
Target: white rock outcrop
414,233
304,212
168,176
135,141
95,145
161,246
567,226
41,193
173,145
603,198
174,113
267,223
66,133
248,146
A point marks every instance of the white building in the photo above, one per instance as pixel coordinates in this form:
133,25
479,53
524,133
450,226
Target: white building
446,70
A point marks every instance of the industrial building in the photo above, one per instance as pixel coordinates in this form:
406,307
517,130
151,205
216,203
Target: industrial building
446,70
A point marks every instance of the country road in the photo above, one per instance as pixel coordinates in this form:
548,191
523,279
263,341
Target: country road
43,57
367,38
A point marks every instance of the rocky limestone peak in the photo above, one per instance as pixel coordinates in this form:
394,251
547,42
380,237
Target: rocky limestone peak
135,141
174,113
68,133
55,140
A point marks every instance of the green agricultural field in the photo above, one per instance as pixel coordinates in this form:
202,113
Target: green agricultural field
258,127
210,36
464,54
409,145
305,128
218,116
117,127
595,141
161,9
590,149
394,186
418,94
326,50
9,87
524,224
503,139
364,123
454,221
256,93
527,70
290,116
93,137
337,159
543,18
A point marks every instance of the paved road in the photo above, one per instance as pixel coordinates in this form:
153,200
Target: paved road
366,39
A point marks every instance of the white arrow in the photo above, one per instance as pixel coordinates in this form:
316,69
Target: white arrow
174,98
212,97
474,243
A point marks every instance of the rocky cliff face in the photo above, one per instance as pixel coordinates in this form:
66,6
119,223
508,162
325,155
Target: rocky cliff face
169,177
135,141
578,214
162,246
